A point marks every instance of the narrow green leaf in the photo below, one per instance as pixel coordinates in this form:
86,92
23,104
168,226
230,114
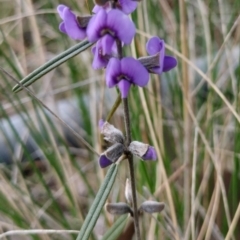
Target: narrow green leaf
51,64
98,203
116,229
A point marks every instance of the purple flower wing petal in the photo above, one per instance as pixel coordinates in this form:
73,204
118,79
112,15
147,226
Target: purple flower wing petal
154,45
60,9
124,87
128,6
101,123
62,27
121,25
135,71
98,60
112,72
169,63
104,161
71,25
96,9
150,154
96,24
107,44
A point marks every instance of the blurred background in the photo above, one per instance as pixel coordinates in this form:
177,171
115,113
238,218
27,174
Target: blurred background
48,178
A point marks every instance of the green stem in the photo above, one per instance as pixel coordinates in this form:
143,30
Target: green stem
114,108
131,167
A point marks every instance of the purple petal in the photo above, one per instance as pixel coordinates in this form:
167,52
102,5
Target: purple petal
128,6
169,63
71,25
99,61
96,9
101,123
150,154
112,72
154,45
121,25
60,9
134,70
159,70
96,25
104,161
124,87
93,50
62,27
107,42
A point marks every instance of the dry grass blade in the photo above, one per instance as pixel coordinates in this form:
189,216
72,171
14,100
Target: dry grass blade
37,232
47,108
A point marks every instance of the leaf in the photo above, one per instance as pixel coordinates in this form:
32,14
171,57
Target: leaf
51,64
116,229
98,203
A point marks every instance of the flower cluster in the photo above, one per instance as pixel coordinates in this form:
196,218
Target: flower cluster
108,24
118,148
110,29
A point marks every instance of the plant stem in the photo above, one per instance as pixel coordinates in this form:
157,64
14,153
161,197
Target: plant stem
114,107
131,167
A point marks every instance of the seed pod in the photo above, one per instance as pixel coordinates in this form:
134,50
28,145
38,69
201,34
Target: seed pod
152,207
118,208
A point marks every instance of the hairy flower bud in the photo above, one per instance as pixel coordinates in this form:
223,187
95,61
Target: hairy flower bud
111,133
118,208
151,207
114,152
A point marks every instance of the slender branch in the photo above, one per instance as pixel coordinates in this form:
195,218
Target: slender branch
131,167
114,108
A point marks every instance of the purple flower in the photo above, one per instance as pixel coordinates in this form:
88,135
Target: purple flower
105,48
113,153
125,72
127,6
113,23
154,46
70,25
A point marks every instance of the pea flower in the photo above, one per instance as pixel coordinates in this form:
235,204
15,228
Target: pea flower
113,23
75,27
114,152
127,6
157,62
103,51
124,73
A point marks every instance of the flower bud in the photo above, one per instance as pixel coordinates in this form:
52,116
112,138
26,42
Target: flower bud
114,152
152,207
138,148
150,62
111,133
118,208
